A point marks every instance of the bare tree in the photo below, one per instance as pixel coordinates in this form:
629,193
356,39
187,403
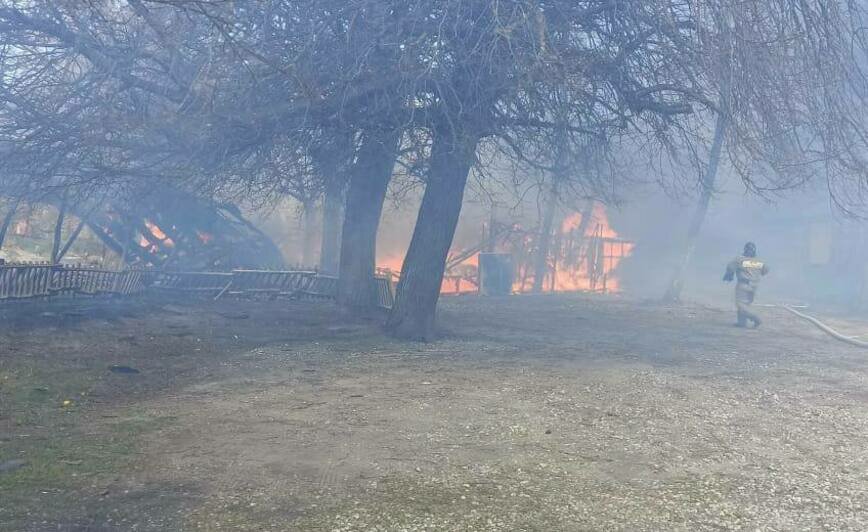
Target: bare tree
369,179
500,63
241,100
789,87
706,191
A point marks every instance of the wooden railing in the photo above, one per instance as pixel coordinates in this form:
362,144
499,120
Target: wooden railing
206,283
92,281
36,280
25,281
269,283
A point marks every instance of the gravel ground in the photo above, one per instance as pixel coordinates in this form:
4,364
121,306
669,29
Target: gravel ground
533,413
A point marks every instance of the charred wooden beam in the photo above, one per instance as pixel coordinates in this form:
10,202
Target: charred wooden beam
171,228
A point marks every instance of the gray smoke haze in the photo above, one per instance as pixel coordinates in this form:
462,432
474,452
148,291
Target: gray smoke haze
816,254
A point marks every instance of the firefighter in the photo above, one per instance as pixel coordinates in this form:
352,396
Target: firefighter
747,270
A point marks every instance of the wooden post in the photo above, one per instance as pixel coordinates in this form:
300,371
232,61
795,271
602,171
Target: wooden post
72,238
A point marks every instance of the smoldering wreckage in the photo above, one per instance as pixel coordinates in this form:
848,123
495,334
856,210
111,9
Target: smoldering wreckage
534,169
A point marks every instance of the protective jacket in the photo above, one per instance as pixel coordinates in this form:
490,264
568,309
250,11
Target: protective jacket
748,271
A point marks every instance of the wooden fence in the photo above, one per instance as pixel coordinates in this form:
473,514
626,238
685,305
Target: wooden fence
205,283
268,283
27,281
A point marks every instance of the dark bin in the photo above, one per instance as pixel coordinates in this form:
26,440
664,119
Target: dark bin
496,274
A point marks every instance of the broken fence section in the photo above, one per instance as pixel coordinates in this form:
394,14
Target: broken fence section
26,281
269,283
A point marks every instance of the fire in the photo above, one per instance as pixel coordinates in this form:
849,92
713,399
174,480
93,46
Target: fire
146,244
155,230
158,233
584,256
464,281
571,222
598,254
391,263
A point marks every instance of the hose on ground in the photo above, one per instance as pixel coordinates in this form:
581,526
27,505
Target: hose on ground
825,328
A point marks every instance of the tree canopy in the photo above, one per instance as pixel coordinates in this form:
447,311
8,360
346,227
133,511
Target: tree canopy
256,100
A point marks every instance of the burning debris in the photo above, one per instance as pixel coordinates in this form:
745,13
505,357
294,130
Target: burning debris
584,255
157,233
176,230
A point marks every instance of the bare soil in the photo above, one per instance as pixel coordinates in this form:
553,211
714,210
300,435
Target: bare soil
532,413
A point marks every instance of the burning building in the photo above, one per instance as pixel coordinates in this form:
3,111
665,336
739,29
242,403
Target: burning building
584,253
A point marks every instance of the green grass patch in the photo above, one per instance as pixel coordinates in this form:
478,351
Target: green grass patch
66,454
34,395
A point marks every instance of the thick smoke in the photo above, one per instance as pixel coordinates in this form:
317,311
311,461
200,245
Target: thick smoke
816,254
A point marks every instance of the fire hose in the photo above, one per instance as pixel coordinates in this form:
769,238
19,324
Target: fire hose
825,328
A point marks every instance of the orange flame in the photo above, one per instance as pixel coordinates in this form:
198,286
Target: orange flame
159,234
586,262
599,252
391,263
454,285
571,222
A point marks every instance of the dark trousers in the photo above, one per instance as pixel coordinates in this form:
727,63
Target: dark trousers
744,296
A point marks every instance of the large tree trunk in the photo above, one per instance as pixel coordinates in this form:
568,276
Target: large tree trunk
673,293
541,262
7,221
332,219
412,316
369,180
333,158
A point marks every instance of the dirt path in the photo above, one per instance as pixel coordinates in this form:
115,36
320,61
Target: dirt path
535,413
